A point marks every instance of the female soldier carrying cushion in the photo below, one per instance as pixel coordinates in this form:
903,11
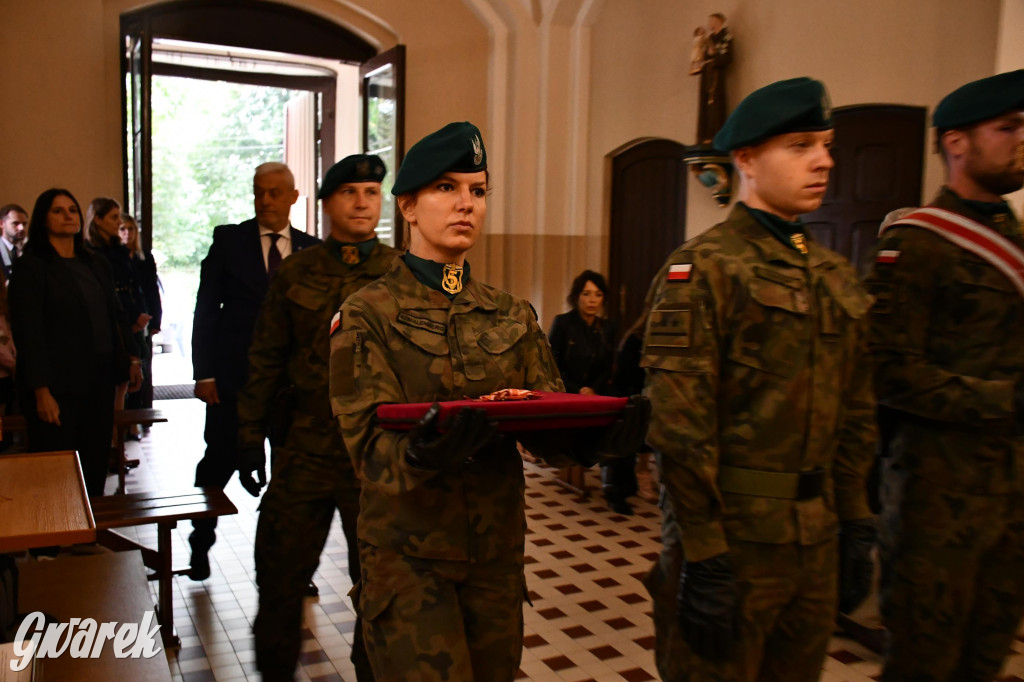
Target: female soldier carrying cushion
441,521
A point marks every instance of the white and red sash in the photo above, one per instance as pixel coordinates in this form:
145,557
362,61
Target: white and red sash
972,236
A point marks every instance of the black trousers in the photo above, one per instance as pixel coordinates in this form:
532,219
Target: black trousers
86,426
618,478
220,461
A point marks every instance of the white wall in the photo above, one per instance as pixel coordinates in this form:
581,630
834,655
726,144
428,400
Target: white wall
866,51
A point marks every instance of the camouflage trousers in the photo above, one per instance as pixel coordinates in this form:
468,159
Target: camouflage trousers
296,513
787,608
453,621
952,588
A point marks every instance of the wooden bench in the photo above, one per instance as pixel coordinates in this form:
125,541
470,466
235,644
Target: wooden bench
123,420
164,509
105,587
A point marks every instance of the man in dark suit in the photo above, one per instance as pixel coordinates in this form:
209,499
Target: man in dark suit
232,284
13,221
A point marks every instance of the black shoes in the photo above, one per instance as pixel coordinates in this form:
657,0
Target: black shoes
312,590
620,506
200,563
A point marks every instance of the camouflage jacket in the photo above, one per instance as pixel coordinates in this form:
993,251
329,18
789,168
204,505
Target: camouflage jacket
402,342
291,347
756,361
946,334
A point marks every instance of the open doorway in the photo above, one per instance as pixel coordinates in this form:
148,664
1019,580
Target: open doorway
207,137
213,89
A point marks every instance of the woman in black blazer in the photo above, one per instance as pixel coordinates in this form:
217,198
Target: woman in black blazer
73,336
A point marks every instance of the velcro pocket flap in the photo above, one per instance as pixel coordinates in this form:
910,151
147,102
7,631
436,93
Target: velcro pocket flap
375,600
502,337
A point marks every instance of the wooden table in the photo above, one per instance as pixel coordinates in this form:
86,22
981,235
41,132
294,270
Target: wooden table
106,587
43,501
164,509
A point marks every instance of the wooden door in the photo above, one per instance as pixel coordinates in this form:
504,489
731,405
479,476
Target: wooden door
382,86
648,221
879,156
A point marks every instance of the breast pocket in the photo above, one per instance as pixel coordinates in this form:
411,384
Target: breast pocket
980,296
772,332
499,360
307,295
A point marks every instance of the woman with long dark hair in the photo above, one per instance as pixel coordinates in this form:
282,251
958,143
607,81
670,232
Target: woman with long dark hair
73,338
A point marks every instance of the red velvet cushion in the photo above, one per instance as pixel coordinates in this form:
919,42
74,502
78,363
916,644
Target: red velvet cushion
549,411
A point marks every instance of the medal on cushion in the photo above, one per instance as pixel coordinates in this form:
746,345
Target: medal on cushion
451,278
349,255
799,241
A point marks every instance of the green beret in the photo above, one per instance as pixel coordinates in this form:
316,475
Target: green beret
456,148
355,168
790,106
981,100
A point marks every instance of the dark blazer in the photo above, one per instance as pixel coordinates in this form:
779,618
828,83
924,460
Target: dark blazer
126,278
50,324
6,259
584,353
145,267
232,285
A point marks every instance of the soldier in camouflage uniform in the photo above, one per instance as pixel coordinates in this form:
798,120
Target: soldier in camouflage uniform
288,372
763,416
442,519
946,338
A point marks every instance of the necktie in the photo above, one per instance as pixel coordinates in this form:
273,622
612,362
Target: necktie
274,256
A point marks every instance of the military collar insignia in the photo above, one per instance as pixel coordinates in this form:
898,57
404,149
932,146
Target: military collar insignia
451,278
799,242
349,254
478,150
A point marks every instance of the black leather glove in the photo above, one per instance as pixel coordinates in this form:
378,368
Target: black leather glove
626,436
429,449
252,460
709,607
856,568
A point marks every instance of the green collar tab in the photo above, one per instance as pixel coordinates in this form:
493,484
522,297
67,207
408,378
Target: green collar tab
432,274
341,250
790,234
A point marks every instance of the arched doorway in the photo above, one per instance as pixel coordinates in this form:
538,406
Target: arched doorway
266,26
325,78
648,220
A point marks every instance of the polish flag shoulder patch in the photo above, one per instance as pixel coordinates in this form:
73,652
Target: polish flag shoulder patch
887,256
335,322
680,273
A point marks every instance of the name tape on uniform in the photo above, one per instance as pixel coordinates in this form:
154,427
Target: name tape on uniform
680,273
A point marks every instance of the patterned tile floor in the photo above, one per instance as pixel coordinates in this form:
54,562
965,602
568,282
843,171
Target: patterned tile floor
590,615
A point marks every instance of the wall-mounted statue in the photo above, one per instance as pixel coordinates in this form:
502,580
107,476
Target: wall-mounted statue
711,54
